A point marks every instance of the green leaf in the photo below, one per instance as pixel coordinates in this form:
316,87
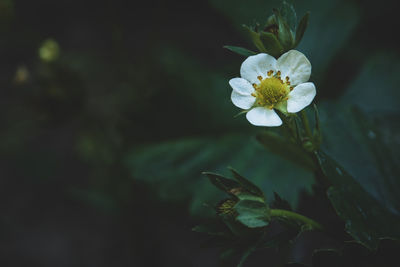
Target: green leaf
271,44
384,148
255,37
284,148
247,184
253,214
240,50
367,146
366,220
301,28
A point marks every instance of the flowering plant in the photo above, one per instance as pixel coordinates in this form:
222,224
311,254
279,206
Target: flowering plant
272,88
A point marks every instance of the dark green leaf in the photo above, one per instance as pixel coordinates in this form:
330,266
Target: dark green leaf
255,37
366,220
301,28
240,50
290,151
271,44
326,258
354,254
367,146
388,253
246,254
253,214
384,150
279,239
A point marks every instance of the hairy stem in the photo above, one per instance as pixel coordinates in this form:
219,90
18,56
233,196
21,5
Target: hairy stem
306,124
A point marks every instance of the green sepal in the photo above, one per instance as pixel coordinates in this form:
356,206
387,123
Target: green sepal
271,44
252,214
270,21
252,188
240,50
222,183
238,190
285,35
255,37
289,15
301,28
240,113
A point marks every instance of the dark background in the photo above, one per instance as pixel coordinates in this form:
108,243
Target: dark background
100,161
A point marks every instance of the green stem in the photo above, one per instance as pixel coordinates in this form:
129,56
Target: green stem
288,124
295,217
306,124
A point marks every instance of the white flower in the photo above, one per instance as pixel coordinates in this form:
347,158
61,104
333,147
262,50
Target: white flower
267,84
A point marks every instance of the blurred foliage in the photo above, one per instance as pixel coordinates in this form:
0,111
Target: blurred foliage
103,147
176,167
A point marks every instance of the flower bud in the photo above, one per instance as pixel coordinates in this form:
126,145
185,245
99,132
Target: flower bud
280,33
226,208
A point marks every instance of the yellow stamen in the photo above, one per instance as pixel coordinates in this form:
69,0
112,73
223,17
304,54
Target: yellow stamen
270,92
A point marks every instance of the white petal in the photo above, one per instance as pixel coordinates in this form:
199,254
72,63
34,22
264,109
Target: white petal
295,65
241,86
261,116
257,65
242,101
301,96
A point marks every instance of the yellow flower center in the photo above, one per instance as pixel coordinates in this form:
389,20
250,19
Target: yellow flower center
271,90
